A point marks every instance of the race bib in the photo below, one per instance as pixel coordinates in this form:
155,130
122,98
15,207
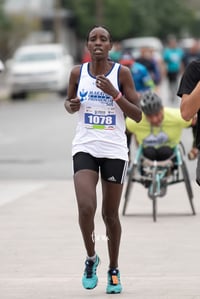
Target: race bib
98,118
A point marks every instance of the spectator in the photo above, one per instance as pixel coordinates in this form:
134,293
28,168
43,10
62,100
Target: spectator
193,53
141,76
146,58
142,80
116,52
189,91
173,57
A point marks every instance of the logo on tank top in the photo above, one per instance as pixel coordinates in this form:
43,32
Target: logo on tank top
96,96
83,95
112,179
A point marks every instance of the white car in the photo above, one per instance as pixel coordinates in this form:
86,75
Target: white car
1,66
39,68
133,45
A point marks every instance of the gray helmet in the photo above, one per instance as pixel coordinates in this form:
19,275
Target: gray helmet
150,103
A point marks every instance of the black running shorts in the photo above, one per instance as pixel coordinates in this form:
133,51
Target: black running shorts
112,170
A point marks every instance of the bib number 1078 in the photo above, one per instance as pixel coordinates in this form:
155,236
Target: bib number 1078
100,119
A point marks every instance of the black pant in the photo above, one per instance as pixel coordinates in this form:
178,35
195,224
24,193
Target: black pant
158,154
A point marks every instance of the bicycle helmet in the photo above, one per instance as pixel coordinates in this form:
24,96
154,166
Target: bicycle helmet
151,103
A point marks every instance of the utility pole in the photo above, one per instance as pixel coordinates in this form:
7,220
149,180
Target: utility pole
99,12
57,21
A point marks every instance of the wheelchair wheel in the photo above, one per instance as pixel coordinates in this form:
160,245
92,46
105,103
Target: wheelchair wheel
153,193
128,187
154,196
188,185
154,201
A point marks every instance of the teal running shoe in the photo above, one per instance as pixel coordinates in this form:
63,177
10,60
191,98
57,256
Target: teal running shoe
114,284
90,279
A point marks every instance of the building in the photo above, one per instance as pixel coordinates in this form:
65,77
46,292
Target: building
56,23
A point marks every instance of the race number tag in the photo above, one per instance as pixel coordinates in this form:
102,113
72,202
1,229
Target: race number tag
98,118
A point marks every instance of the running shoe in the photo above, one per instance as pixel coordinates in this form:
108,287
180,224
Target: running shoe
114,284
90,279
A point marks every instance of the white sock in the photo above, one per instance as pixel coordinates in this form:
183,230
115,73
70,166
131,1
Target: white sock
92,258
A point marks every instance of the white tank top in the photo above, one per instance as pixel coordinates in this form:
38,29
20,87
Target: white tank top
101,126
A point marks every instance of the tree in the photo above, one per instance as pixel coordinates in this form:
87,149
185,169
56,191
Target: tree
13,29
129,18
5,29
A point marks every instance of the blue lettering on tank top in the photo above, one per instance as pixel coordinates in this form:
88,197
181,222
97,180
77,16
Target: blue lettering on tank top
96,96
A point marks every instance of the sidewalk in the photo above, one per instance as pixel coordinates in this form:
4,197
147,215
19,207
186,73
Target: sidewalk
42,254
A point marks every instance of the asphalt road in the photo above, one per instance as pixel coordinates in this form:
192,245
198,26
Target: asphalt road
35,138
41,252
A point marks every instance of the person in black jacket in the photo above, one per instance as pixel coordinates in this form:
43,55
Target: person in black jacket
189,91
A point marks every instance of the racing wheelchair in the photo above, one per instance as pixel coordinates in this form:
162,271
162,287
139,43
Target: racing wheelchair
156,176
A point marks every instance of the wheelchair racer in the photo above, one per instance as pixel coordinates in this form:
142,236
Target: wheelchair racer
158,132
160,129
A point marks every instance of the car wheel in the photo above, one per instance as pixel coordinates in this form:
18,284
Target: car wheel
63,93
19,96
